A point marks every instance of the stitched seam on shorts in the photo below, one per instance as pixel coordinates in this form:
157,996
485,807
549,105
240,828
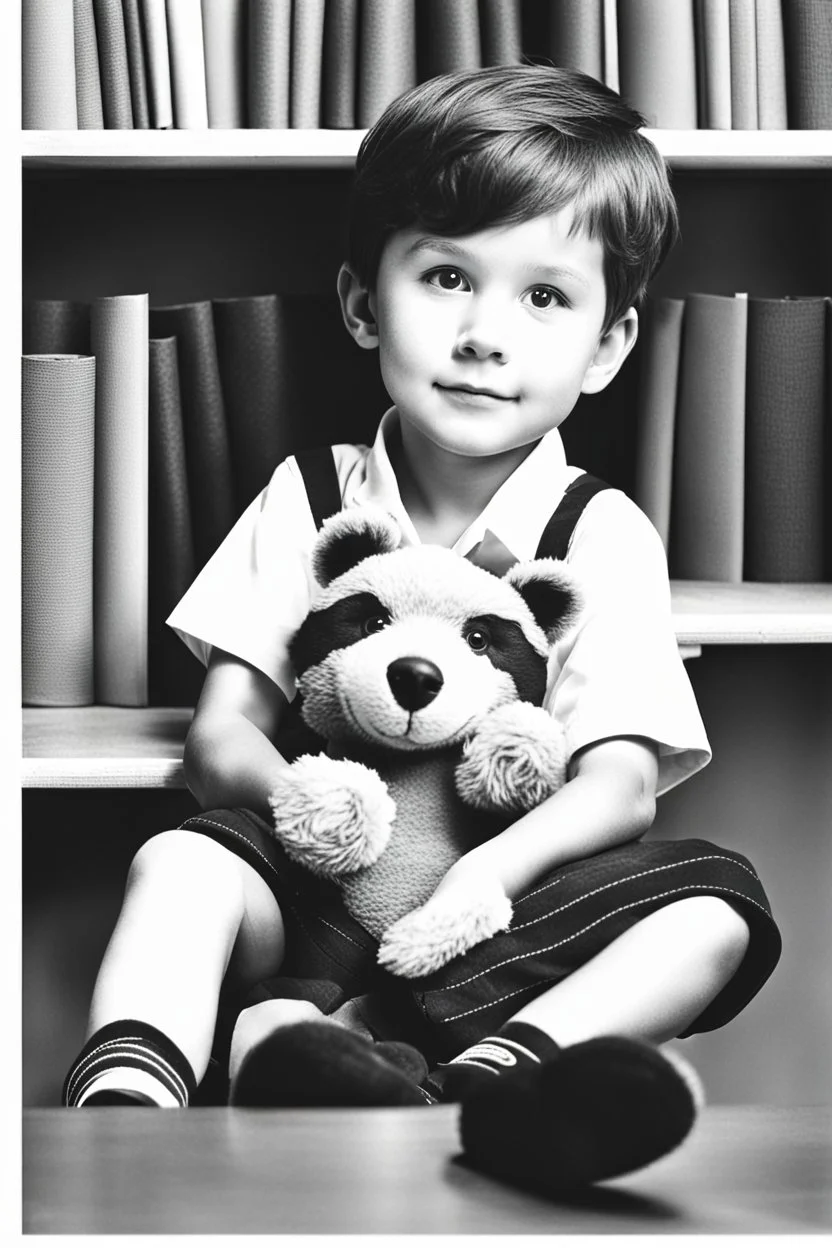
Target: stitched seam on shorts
638,875
327,953
215,823
519,957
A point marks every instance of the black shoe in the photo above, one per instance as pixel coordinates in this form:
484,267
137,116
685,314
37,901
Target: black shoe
323,1064
599,1109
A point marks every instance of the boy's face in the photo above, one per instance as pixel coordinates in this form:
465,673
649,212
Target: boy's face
487,340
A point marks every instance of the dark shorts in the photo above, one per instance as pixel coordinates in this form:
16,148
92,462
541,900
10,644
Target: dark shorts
564,920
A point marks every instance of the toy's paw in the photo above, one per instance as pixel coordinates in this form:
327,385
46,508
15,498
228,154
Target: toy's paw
515,758
333,816
444,927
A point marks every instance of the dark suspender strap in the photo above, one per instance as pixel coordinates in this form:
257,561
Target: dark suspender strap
555,539
317,467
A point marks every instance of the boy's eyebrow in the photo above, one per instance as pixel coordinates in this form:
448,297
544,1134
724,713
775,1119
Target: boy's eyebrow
432,242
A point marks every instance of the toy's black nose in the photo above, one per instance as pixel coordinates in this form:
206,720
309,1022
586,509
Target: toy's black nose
415,682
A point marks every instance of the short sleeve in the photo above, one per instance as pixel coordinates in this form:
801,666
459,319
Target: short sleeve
618,672
256,588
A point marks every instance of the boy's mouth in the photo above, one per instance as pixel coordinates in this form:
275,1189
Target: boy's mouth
475,394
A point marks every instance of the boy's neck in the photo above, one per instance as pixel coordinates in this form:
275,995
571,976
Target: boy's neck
442,492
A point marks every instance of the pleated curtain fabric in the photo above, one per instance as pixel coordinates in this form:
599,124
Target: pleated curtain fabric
210,480
785,440
224,36
387,55
707,517
49,96
119,331
137,67
57,444
157,59
501,32
340,64
269,63
576,35
713,56
660,349
56,327
186,47
657,61
87,71
113,64
307,62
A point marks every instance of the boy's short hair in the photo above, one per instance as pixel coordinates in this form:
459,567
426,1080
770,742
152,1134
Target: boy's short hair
464,152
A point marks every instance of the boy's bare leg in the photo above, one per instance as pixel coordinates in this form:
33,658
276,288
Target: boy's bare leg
192,912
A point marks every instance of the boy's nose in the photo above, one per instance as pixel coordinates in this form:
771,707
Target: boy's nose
479,343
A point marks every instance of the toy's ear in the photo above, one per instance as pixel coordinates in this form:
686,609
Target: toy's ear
549,592
350,536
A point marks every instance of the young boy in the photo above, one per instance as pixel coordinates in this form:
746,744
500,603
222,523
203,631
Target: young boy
504,225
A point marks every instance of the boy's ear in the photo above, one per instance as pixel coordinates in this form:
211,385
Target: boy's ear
612,351
357,308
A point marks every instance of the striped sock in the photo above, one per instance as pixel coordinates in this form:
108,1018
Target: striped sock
515,1047
129,1063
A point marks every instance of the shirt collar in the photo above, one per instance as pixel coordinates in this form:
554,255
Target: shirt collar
516,514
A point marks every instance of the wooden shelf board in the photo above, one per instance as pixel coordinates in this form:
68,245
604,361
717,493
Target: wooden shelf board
113,747
185,149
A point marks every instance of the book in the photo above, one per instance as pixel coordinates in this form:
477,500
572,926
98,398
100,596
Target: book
56,327
119,334
660,349
743,26
657,61
612,71
340,64
501,32
772,107
157,58
387,55
57,441
448,37
307,60
49,97
259,385
707,507
576,35
224,37
87,73
174,675
186,48
269,63
807,30
137,68
207,451
113,64
785,440
713,59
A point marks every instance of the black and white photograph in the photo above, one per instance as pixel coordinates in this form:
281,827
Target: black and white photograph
417,706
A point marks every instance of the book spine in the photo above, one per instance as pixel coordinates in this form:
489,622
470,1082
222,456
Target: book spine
87,72
450,36
707,514
186,47
501,34
785,440
772,108
612,57
57,441
743,22
155,32
307,60
119,330
657,61
269,63
113,65
49,93
224,35
713,56
656,418
340,64
808,44
576,35
136,65
387,55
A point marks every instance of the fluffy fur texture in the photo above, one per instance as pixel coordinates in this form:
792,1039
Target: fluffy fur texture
431,671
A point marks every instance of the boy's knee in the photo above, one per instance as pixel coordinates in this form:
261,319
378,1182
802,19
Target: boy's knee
720,927
191,863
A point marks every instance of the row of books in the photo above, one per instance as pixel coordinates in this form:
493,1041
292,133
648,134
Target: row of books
336,64
146,431
734,436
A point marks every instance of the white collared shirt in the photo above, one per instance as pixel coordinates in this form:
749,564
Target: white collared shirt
616,673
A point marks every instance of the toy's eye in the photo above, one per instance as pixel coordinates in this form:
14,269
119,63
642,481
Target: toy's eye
375,623
478,639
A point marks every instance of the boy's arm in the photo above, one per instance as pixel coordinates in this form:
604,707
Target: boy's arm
609,799
230,759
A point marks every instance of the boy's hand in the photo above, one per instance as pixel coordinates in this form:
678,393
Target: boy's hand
332,816
458,916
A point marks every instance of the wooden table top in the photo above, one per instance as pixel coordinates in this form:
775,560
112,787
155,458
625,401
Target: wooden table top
743,1170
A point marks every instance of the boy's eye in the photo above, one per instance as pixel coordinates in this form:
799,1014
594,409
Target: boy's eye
375,623
543,297
447,279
